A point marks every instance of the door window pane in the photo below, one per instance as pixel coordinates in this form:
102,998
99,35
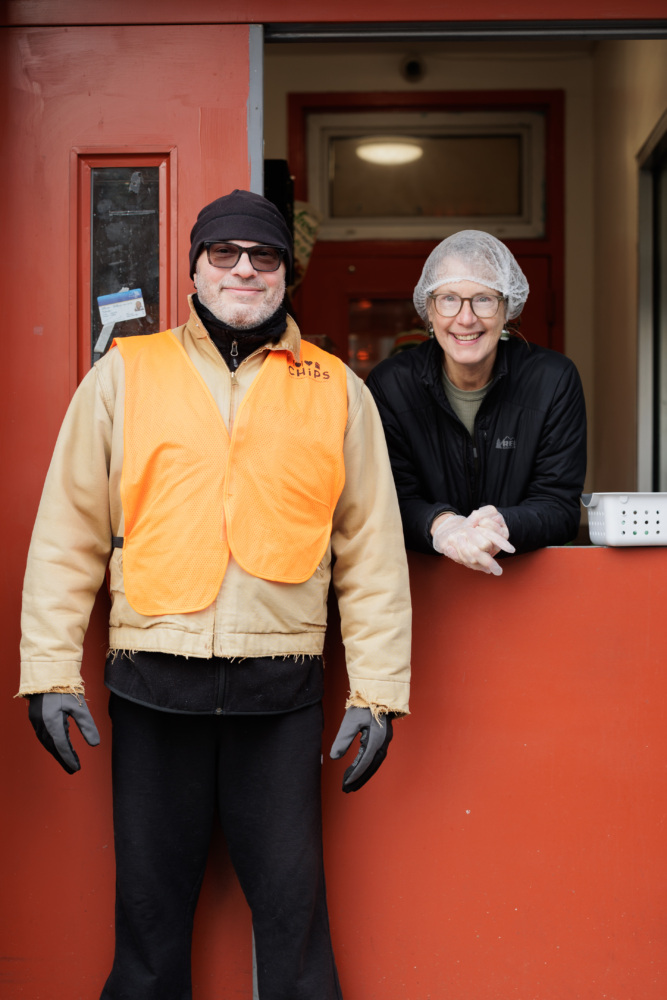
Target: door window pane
454,175
125,254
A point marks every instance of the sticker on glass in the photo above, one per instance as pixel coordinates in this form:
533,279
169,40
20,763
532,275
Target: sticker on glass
120,306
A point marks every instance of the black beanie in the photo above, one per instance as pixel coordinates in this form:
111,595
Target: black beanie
240,215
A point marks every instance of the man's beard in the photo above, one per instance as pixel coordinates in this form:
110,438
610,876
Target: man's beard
241,316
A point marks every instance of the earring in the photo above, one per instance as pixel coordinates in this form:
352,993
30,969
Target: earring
505,335
430,329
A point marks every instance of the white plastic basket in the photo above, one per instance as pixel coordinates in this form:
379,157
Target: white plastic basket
627,518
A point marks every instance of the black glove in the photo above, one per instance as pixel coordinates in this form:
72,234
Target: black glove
376,736
49,714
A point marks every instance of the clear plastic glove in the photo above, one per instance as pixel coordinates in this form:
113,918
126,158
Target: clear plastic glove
376,736
49,714
473,541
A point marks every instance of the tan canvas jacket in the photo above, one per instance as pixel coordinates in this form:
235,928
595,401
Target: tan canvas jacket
81,509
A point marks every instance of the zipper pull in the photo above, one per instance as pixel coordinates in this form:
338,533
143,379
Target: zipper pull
234,352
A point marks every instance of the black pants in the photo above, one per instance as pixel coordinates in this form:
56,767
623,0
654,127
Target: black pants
262,774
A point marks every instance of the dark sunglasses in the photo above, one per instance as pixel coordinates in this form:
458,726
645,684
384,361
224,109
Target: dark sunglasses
261,257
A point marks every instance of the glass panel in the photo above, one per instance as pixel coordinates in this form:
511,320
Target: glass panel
453,175
380,328
426,174
125,254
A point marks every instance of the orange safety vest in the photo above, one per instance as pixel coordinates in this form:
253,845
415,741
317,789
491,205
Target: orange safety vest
190,494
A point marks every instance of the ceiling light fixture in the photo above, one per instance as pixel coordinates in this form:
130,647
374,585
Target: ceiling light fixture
389,151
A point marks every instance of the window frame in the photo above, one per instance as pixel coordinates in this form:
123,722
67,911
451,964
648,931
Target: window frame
82,162
323,127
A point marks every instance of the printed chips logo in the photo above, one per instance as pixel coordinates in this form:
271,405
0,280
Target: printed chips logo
308,369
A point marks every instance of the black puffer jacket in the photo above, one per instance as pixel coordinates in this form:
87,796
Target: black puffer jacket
527,457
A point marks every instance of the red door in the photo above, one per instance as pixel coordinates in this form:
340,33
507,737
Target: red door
173,99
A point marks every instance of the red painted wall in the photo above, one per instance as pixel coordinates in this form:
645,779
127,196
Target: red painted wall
512,844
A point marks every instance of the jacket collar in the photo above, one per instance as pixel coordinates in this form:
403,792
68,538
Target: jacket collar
290,340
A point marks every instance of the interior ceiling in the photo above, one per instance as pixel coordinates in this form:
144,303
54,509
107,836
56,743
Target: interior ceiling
518,48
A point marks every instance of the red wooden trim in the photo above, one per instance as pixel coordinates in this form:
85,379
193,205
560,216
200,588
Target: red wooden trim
163,265
171,227
83,269
74,270
82,12
168,196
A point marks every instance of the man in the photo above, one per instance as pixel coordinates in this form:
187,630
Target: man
219,470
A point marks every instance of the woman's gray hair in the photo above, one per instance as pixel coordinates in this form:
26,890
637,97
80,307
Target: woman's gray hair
472,255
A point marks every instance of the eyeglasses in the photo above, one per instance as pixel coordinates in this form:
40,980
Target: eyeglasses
261,257
483,305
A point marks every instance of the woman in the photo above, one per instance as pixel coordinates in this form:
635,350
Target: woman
486,432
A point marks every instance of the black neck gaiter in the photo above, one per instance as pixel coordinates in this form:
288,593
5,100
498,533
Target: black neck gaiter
235,345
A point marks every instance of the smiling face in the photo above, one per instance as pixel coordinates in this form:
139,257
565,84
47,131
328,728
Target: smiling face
470,344
239,296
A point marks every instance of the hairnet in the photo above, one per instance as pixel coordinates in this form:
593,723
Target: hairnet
473,256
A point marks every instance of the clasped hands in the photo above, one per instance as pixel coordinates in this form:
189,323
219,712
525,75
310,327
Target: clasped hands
473,541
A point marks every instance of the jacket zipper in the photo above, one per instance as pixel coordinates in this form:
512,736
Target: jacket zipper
470,467
476,455
232,399
234,352
480,437
235,382
472,470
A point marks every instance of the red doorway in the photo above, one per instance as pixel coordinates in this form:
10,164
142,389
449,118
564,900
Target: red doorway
342,275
